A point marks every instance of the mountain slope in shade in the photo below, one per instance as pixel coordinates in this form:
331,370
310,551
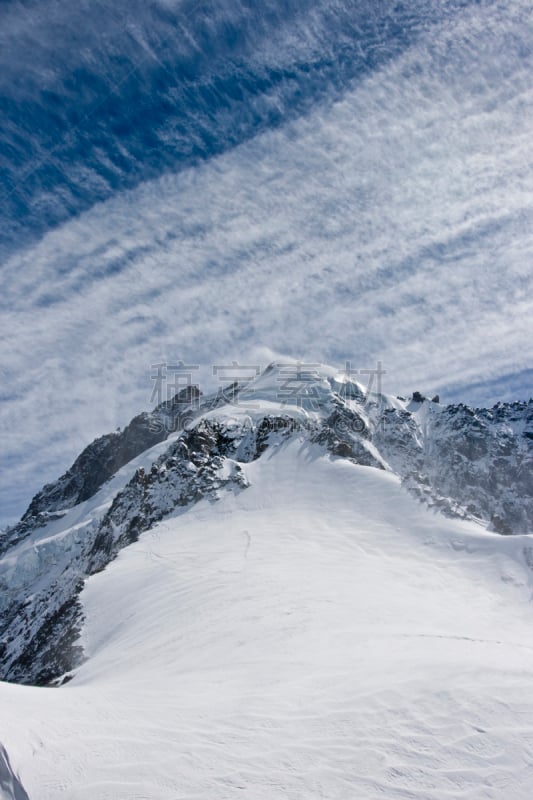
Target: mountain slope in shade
470,464
10,786
319,633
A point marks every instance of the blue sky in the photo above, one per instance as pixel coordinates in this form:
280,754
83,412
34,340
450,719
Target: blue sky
315,180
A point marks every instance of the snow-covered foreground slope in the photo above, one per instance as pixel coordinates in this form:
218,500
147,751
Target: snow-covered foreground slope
319,635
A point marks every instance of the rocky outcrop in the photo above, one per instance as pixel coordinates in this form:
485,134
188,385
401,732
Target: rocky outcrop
100,461
39,629
469,462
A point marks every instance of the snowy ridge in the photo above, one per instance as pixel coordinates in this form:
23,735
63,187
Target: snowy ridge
472,464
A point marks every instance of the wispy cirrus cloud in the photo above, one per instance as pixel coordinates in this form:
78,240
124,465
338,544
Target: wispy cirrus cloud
120,91
393,224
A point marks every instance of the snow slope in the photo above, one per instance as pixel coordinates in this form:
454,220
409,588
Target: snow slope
319,635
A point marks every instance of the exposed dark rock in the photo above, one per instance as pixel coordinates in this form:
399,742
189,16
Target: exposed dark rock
187,472
473,457
40,633
54,648
100,461
345,433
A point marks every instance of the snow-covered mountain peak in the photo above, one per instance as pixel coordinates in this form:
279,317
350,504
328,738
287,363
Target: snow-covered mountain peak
474,464
307,392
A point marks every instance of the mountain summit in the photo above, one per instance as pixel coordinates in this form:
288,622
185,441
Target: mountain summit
472,464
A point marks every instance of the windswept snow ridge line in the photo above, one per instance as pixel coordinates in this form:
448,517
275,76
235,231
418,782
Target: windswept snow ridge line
473,464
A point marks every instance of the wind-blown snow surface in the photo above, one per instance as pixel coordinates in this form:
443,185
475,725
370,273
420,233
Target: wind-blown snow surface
242,180
319,634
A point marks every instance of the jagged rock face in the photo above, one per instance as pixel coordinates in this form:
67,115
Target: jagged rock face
195,466
38,632
347,434
472,463
463,462
107,454
399,438
99,462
